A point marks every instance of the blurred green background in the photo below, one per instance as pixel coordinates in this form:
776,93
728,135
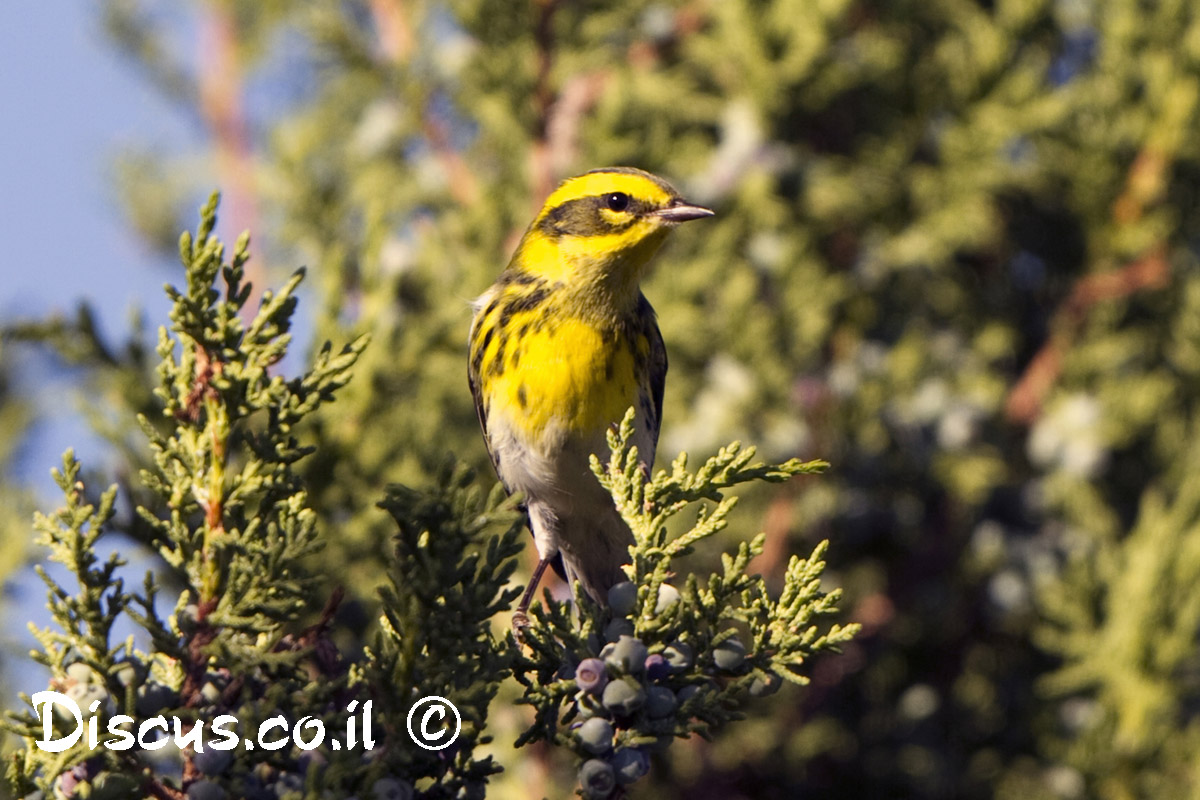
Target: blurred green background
955,255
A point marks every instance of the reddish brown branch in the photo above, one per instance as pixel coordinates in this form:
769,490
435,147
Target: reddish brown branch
195,666
221,94
645,54
1024,401
394,29
154,788
777,524
201,387
558,115
1145,183
395,33
325,661
579,95
462,183
1026,397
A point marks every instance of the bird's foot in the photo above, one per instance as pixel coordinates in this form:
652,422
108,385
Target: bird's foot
520,623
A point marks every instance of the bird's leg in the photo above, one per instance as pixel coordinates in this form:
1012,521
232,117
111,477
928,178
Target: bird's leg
520,620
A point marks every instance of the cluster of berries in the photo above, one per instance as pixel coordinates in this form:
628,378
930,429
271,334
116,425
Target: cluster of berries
629,690
91,779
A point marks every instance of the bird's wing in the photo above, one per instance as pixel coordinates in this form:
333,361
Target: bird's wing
475,381
657,368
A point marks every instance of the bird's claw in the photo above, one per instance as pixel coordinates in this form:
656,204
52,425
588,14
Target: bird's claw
520,622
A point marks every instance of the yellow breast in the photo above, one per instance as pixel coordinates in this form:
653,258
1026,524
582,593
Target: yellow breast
567,375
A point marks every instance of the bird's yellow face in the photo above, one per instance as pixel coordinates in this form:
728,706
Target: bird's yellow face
599,230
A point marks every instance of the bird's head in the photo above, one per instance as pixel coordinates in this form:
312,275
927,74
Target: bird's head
600,229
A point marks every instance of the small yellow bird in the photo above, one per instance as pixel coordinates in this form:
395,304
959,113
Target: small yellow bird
560,347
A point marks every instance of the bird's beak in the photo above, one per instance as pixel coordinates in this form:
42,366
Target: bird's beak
681,211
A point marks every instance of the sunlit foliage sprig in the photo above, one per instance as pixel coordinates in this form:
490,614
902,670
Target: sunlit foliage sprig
232,523
454,560
664,661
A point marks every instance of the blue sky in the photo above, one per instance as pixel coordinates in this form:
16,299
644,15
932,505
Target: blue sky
69,102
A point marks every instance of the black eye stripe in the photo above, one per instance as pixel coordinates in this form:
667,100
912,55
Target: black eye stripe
583,216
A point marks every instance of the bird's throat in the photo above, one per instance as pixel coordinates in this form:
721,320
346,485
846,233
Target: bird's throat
606,287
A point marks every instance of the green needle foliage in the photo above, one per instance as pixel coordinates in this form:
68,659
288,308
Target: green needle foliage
436,636
230,510
662,662
1126,630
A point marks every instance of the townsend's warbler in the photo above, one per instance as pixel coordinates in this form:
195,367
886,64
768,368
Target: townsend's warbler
560,347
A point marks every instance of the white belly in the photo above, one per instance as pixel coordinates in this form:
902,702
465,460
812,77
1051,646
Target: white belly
570,512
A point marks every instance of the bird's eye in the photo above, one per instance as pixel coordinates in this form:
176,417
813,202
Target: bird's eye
617,201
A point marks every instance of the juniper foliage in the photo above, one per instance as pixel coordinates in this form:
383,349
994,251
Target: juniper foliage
230,510
668,662
233,527
454,557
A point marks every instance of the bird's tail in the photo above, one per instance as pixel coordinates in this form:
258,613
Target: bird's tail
593,550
